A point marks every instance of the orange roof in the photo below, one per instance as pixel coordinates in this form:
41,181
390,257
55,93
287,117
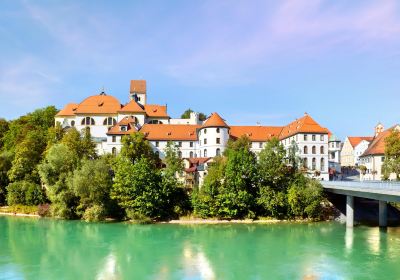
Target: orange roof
256,133
157,111
166,132
138,86
132,107
99,104
68,110
355,140
377,146
199,160
129,122
214,120
306,124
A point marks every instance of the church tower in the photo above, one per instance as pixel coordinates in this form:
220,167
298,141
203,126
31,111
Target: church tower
378,129
138,91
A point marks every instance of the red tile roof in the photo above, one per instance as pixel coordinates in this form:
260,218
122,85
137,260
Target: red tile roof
132,107
199,160
256,133
173,132
355,140
99,104
214,120
138,86
377,146
68,110
156,111
305,124
129,122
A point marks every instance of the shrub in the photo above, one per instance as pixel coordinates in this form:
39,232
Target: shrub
44,210
25,192
137,217
95,213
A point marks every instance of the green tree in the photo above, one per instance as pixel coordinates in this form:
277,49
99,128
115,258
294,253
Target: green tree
186,115
92,184
137,188
293,158
25,193
4,125
83,147
135,146
392,154
174,164
5,165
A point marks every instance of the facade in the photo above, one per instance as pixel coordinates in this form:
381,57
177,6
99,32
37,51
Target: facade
353,148
374,157
109,120
334,147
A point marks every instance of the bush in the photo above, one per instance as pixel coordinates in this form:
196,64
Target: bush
25,193
137,217
95,213
44,210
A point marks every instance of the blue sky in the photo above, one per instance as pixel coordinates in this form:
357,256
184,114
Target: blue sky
251,61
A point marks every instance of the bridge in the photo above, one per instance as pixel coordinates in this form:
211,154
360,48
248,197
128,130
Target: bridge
384,192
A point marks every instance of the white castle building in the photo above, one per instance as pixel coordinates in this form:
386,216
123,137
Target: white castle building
198,142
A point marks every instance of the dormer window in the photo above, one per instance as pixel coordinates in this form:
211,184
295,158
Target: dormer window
124,128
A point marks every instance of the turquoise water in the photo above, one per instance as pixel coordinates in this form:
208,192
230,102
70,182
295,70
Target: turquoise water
50,249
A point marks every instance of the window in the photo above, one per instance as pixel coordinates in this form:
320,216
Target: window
179,144
205,152
114,138
314,163
313,150
205,131
305,163
218,141
191,144
87,121
382,159
322,137
322,164
109,121
114,151
218,130
322,150
157,144
260,145
180,154
72,123
123,128
218,152
305,150
305,137
313,137
158,153
191,154
205,141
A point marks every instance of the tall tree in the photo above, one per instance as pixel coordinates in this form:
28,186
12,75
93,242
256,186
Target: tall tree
186,115
5,165
135,146
392,154
4,125
174,164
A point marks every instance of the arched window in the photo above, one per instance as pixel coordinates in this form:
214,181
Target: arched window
218,130
154,122
87,121
109,121
305,163
180,154
72,123
191,154
322,164
158,153
218,152
322,150
205,152
205,131
114,151
313,150
314,163
305,150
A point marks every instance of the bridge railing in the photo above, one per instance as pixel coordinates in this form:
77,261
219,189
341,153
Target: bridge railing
384,185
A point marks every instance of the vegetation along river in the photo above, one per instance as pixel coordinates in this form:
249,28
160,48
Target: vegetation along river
52,249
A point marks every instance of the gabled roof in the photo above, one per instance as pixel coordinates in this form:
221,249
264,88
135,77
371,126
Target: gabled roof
156,111
355,140
305,124
132,107
198,160
99,104
138,86
214,120
173,132
68,110
256,133
377,146
129,122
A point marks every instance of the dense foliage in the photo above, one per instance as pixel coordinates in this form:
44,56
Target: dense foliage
392,155
186,115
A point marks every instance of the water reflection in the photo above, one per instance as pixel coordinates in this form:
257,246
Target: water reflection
109,269
196,264
349,236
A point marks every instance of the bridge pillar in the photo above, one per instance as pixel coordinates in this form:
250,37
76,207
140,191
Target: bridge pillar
382,213
349,211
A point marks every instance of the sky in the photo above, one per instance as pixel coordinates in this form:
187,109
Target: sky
264,62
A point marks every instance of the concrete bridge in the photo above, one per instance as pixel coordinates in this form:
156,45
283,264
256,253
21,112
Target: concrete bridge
384,192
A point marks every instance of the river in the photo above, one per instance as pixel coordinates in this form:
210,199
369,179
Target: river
33,248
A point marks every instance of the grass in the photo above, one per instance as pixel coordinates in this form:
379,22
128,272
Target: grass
20,209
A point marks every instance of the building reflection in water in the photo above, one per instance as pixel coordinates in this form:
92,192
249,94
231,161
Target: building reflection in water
109,271
196,264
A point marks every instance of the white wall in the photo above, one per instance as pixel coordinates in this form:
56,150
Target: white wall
211,134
